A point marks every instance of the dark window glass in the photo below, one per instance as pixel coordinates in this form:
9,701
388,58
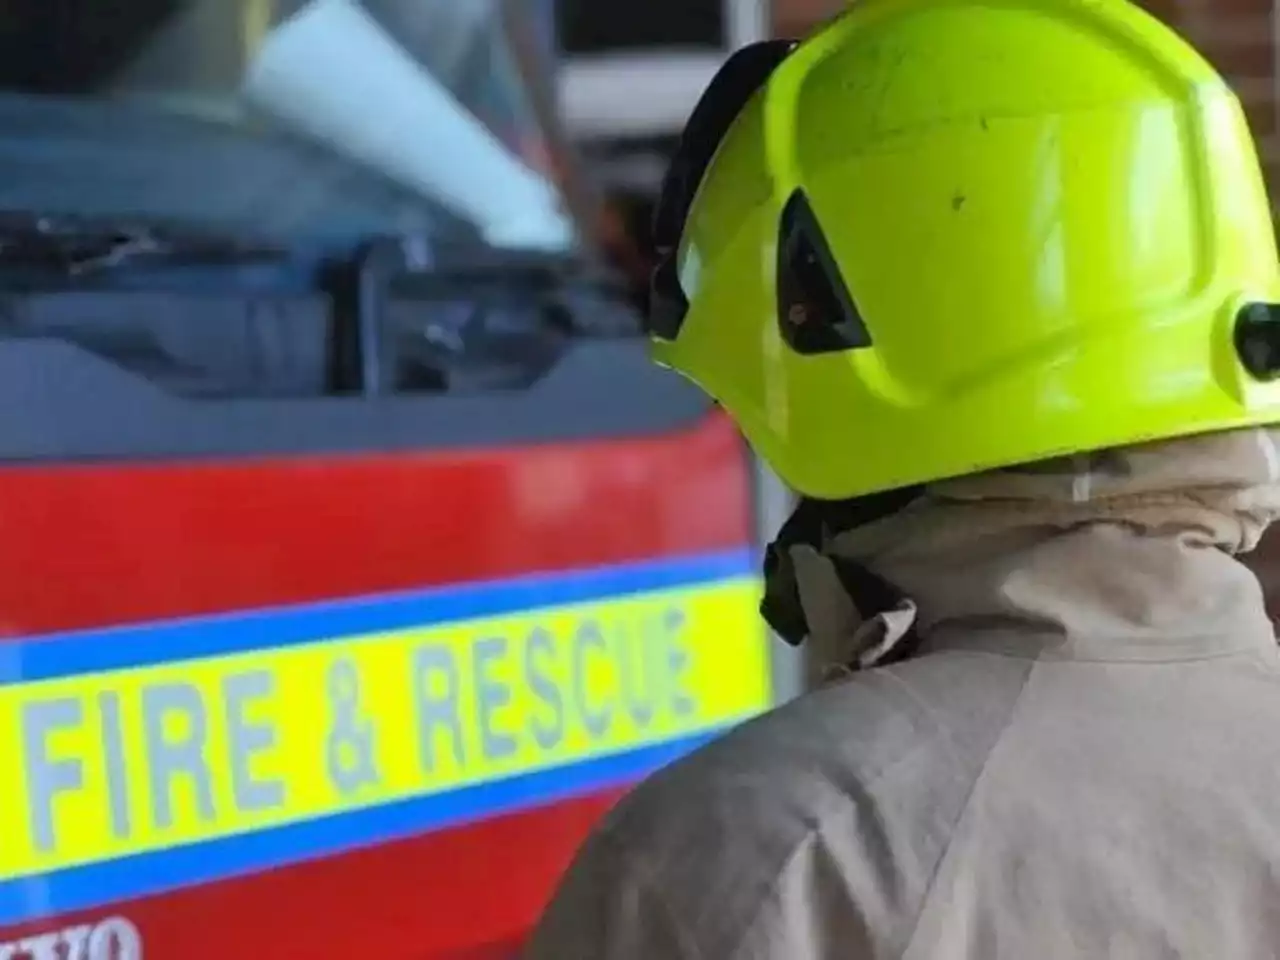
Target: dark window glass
597,26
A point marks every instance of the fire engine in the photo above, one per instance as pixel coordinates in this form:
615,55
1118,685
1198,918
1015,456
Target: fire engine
353,557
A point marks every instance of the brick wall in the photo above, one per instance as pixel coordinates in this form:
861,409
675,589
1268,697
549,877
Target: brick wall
1238,36
793,18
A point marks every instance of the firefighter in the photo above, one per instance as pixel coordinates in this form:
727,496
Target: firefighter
994,287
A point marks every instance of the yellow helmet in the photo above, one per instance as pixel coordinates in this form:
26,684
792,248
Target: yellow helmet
944,236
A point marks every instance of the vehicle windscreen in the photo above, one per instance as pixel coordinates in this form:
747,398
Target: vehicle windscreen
282,118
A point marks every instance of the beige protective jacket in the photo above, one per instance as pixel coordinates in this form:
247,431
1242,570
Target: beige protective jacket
1083,760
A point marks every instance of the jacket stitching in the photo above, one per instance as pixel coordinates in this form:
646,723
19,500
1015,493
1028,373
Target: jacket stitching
769,894
957,824
651,890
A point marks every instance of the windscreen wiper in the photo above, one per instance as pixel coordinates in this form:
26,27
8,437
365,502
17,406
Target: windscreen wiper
74,246
456,315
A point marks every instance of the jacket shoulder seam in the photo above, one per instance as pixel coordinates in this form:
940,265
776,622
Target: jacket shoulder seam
956,824
815,828
651,890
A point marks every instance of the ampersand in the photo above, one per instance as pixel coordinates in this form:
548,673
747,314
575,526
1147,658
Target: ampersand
352,763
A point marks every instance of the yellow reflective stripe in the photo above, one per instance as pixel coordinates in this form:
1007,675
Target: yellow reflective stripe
129,761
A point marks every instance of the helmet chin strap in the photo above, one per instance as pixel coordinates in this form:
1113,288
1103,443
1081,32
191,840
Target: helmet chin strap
849,615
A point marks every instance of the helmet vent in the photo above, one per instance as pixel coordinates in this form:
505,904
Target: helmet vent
815,309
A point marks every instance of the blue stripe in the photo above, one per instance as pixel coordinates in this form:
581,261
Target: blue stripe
137,645
149,874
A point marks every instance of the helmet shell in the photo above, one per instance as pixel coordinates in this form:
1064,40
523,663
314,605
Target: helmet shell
1047,216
